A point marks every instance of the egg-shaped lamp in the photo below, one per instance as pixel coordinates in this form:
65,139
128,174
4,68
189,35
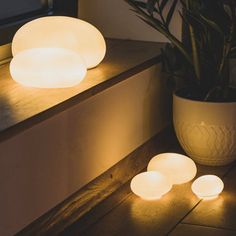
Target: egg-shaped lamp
208,186
178,168
62,32
150,185
47,68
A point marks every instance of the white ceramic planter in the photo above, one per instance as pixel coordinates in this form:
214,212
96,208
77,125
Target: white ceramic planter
206,130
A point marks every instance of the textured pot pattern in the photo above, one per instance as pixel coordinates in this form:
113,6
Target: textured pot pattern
206,130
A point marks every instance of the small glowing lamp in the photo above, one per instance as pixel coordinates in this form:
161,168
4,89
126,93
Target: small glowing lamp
47,68
62,32
208,186
150,185
178,168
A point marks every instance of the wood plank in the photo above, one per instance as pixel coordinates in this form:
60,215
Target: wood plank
196,230
85,200
22,107
123,192
138,217
220,212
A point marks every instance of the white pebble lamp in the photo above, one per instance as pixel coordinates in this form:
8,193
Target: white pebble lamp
62,32
208,186
178,168
150,185
47,68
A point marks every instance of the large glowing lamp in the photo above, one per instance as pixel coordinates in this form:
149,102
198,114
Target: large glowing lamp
47,68
208,186
178,168
62,32
150,185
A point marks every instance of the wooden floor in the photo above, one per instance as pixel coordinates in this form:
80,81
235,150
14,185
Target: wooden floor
107,207
179,212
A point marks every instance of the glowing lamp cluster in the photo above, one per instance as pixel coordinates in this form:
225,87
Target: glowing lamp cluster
178,168
150,185
208,186
55,51
44,69
167,169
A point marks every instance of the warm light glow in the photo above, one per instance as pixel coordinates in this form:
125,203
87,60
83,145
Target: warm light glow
47,68
208,186
178,168
62,32
150,185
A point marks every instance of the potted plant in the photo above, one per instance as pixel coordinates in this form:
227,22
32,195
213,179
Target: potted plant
204,101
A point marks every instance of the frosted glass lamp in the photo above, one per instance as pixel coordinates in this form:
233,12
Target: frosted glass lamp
150,185
208,186
178,168
62,32
47,68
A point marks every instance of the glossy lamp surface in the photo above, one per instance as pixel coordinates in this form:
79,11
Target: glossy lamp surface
47,68
208,186
178,168
62,32
150,185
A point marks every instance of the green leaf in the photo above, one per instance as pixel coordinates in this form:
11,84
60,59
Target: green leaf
212,24
171,12
232,53
155,23
140,4
163,4
143,5
151,6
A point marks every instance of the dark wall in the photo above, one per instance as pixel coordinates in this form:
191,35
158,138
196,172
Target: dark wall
12,8
15,13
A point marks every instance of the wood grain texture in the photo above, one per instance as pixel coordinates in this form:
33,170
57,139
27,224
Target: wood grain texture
138,217
82,202
196,230
22,107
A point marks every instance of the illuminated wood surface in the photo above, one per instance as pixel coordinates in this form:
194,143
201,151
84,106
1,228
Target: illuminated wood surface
138,217
22,107
107,206
97,198
220,212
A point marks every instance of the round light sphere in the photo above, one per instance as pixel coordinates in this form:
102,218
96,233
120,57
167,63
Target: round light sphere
178,168
47,68
62,32
150,185
207,186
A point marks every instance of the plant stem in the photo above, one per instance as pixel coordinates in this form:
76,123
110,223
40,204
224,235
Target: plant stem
226,50
160,13
195,56
176,43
